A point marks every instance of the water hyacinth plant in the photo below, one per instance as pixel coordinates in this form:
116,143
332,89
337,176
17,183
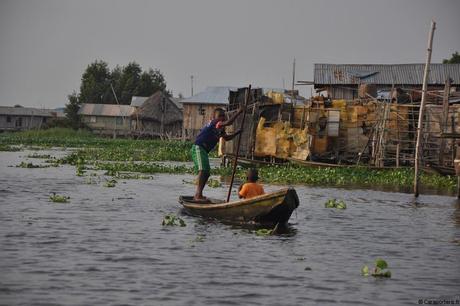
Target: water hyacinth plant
56,198
128,155
172,220
8,148
110,183
264,232
213,183
333,203
380,269
38,155
31,165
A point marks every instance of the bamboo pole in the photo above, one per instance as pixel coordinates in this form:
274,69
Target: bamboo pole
235,161
422,109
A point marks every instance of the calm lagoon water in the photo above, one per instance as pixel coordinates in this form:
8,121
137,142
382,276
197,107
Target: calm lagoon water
108,247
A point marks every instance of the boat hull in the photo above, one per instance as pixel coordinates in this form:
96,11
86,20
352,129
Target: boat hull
271,208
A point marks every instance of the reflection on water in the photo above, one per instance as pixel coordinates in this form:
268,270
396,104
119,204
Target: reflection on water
107,246
456,212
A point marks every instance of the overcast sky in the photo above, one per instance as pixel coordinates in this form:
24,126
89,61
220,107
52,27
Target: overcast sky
46,45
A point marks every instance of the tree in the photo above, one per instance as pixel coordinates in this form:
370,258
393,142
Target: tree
71,111
95,83
129,82
455,59
150,82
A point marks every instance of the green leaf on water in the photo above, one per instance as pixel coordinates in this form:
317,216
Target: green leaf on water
341,205
380,263
365,270
110,183
386,274
56,198
380,269
264,232
172,220
213,183
331,203
381,273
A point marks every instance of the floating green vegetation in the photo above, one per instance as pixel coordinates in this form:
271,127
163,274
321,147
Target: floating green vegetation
141,168
92,147
110,183
56,198
128,175
213,183
31,165
79,170
264,232
8,148
172,220
334,203
128,155
37,155
380,269
403,177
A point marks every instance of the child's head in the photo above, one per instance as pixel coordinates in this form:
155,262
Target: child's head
252,175
219,114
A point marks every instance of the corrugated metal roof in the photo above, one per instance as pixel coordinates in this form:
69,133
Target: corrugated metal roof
218,95
211,95
107,110
26,111
138,101
398,74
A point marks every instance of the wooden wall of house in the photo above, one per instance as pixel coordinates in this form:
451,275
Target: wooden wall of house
153,128
107,123
14,122
346,93
196,116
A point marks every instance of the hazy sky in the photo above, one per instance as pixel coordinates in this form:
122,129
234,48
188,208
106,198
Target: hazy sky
45,45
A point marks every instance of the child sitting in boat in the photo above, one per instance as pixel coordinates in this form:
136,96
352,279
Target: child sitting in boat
251,188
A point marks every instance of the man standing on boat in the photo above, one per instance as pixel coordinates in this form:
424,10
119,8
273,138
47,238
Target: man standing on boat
206,140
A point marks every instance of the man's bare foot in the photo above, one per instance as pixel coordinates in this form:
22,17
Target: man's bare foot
200,198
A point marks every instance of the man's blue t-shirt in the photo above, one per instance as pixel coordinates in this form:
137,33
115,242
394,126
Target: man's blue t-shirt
209,135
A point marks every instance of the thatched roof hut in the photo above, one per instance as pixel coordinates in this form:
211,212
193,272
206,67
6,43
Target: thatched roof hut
158,116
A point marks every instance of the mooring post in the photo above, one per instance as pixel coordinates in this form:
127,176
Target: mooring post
422,109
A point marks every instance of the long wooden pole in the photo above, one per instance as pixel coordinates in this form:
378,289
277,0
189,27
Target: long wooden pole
235,161
422,109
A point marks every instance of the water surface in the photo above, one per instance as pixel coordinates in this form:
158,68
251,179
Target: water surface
107,246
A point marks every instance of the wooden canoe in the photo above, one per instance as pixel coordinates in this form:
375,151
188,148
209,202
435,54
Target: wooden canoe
271,208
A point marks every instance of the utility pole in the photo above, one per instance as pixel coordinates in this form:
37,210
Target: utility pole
191,81
293,82
116,99
422,109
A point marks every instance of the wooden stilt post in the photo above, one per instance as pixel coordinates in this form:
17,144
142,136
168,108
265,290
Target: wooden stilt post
444,119
422,109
